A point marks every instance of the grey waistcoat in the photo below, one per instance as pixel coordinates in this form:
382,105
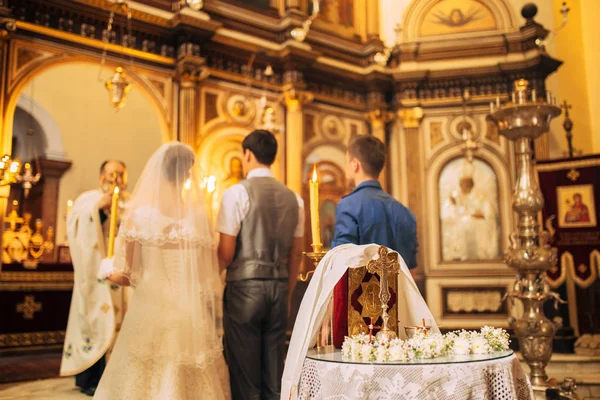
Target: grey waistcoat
267,232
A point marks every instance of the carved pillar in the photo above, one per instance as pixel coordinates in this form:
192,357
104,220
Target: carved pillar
411,120
378,120
190,72
294,100
7,25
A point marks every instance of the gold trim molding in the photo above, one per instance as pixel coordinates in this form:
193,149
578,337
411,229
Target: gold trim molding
35,276
94,43
31,339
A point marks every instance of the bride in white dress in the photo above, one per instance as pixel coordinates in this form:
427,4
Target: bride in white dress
169,346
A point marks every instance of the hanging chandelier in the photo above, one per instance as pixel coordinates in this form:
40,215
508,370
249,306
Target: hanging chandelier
118,85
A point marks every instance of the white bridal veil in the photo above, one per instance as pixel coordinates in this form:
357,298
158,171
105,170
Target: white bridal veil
166,249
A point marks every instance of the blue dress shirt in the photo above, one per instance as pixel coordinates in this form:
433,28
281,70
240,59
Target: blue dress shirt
369,215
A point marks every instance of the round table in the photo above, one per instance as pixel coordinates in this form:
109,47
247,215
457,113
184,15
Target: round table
496,376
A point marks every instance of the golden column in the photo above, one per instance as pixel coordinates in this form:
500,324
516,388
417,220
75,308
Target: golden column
378,120
7,26
410,119
190,72
294,100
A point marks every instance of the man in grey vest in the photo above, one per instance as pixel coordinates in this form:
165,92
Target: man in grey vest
261,225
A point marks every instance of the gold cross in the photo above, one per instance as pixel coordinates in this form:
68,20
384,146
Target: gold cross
566,106
386,264
573,174
28,307
13,217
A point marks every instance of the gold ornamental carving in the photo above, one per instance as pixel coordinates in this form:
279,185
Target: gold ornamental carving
7,25
25,56
411,117
31,339
379,117
573,174
20,244
294,98
29,307
435,134
36,276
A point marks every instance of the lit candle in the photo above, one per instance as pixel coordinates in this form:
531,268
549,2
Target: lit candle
114,208
69,206
314,211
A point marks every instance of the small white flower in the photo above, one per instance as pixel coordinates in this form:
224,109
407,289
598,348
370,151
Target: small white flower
461,346
382,354
479,345
366,352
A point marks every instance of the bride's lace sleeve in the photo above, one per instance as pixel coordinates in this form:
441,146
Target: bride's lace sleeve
127,259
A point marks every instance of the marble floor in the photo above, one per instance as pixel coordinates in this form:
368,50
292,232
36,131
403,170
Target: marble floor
47,389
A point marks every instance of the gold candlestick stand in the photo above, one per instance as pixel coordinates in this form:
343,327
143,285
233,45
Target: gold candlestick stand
316,256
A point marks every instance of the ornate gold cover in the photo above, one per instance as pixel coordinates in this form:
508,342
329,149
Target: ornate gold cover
364,303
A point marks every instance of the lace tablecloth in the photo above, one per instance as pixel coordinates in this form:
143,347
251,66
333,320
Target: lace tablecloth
498,377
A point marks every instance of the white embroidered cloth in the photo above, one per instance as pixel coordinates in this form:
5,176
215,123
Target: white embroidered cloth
497,379
410,305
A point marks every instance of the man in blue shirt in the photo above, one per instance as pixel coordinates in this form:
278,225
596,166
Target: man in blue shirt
368,214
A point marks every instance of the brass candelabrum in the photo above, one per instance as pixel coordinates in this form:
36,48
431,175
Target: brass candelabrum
522,120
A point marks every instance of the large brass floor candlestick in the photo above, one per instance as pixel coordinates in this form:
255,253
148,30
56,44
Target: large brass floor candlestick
522,120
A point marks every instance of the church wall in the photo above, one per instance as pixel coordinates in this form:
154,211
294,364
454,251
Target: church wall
576,78
572,77
591,33
91,130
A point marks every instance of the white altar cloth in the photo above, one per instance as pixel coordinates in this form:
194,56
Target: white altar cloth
497,376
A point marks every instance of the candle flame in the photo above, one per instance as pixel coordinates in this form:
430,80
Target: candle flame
70,203
116,191
314,176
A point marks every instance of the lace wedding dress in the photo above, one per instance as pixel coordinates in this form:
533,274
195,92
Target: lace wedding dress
166,349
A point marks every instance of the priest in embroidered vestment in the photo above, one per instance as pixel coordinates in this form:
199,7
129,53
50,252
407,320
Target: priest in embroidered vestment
97,306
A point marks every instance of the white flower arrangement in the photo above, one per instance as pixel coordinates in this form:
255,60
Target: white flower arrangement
425,345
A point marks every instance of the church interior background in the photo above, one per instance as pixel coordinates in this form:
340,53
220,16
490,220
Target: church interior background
418,74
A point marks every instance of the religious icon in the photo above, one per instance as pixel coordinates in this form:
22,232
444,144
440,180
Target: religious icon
456,16
236,173
469,212
576,206
337,12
